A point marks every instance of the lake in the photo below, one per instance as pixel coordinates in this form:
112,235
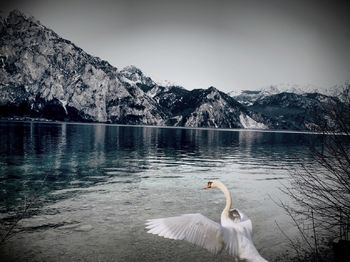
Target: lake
92,186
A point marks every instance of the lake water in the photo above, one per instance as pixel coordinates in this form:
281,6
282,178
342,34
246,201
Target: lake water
93,186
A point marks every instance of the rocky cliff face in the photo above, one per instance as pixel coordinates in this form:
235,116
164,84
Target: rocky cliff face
43,75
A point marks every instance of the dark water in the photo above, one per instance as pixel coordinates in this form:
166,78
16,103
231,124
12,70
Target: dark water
91,187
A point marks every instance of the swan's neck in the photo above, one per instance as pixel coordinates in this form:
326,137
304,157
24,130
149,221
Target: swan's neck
228,198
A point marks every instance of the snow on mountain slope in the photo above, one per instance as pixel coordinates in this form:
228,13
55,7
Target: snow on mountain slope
248,122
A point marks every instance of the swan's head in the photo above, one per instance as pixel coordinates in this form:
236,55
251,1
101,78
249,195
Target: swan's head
211,184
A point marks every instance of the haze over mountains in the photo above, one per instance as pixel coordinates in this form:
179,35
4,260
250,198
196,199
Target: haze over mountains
45,76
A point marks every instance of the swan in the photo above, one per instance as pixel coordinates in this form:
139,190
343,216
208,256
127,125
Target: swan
234,233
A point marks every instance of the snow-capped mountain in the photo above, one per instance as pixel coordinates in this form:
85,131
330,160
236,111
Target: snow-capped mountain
248,97
43,75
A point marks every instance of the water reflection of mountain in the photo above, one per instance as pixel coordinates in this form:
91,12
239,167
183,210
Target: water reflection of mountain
44,157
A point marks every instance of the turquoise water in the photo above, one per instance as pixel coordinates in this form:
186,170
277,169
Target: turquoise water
92,186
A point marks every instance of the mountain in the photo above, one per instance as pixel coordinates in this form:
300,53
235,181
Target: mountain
133,76
43,75
292,111
248,97
205,107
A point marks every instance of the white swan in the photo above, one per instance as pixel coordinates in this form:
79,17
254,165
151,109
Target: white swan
234,233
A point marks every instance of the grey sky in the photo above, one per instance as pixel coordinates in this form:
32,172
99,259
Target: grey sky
232,45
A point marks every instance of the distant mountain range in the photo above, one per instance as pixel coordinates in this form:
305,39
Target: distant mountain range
248,97
45,76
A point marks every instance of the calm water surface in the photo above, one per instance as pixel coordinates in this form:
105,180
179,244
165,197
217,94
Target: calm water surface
93,186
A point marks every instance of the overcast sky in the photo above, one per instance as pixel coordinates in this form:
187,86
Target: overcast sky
232,45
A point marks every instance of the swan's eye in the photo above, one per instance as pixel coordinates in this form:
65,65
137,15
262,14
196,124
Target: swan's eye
209,184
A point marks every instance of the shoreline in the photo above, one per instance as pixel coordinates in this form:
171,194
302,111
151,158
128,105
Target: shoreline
48,121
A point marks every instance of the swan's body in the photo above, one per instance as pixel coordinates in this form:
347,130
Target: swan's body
234,232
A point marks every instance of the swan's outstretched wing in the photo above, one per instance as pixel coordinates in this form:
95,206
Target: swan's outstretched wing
197,229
